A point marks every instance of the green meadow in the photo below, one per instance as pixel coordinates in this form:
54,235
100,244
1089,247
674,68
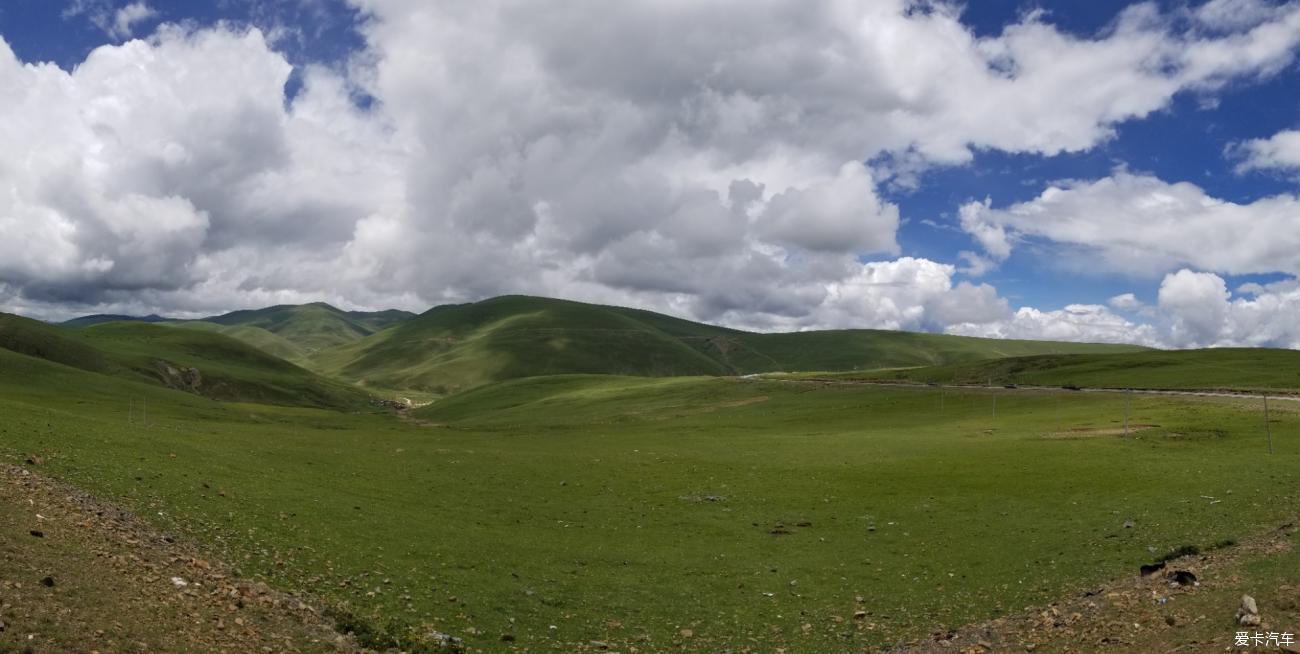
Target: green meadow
648,514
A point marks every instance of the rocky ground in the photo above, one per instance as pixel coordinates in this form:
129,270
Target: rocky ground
81,575
78,574
1156,613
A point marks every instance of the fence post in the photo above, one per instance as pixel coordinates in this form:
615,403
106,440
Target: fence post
1267,427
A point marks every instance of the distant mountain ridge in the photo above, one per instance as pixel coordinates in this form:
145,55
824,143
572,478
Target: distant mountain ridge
454,347
101,318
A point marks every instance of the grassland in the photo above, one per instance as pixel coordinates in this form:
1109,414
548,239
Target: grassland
694,513
200,362
456,347
1218,368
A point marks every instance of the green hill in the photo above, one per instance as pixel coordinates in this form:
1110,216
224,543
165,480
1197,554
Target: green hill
262,339
1217,368
295,331
101,318
455,347
198,362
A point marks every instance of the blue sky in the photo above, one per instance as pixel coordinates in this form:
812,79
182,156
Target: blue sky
377,153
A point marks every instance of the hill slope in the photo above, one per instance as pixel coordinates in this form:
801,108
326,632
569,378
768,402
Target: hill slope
312,327
207,364
101,318
454,347
1217,368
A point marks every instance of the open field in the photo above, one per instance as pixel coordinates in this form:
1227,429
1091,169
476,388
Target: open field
651,514
1218,368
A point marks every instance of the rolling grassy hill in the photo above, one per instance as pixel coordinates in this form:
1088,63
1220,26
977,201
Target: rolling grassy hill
1223,368
101,318
455,347
307,327
198,362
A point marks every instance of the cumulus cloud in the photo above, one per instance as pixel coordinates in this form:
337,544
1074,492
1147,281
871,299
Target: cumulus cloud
1280,151
1139,223
119,22
1125,302
710,160
1193,309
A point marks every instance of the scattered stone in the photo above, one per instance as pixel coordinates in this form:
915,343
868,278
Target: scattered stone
599,644
859,615
687,633
179,582
1248,613
1128,524
444,639
34,460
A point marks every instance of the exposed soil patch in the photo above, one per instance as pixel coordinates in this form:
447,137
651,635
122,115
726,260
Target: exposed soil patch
1189,605
78,574
1097,432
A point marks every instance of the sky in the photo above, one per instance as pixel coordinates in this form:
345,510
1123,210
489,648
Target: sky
1100,171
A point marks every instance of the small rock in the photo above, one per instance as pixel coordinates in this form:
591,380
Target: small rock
1128,524
37,533
599,644
1169,620
1248,613
34,460
859,615
48,582
687,633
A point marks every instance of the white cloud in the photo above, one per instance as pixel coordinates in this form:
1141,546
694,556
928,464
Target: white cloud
124,19
1194,309
1280,151
1089,323
1233,15
118,23
1125,302
707,162
1140,224
841,214
1196,306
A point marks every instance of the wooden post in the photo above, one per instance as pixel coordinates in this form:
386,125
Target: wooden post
1267,427
1128,401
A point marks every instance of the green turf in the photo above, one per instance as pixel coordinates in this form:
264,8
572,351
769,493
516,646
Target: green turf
1219,368
577,508
456,347
260,338
307,327
199,362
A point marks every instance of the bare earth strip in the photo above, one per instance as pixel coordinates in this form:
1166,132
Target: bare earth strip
78,574
1153,613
